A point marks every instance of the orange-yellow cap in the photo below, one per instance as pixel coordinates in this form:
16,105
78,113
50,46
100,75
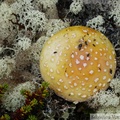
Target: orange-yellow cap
77,62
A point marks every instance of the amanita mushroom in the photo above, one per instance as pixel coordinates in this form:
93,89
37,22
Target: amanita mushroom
77,62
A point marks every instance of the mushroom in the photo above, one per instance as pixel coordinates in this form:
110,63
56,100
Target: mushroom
77,62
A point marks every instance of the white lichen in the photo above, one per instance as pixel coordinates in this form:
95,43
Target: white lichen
6,27
33,21
14,100
104,98
21,6
49,6
96,23
115,11
115,85
55,25
7,65
109,110
76,6
22,43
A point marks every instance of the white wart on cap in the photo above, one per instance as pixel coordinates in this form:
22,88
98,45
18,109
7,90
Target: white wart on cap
77,62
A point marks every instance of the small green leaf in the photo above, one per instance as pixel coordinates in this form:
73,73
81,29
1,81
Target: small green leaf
5,117
26,109
33,102
32,117
45,84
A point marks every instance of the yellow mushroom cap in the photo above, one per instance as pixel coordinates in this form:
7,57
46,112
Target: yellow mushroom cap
77,62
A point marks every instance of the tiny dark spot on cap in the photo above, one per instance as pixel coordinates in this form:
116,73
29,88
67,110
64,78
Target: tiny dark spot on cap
110,71
55,52
95,86
94,39
79,46
94,45
88,54
99,68
86,43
